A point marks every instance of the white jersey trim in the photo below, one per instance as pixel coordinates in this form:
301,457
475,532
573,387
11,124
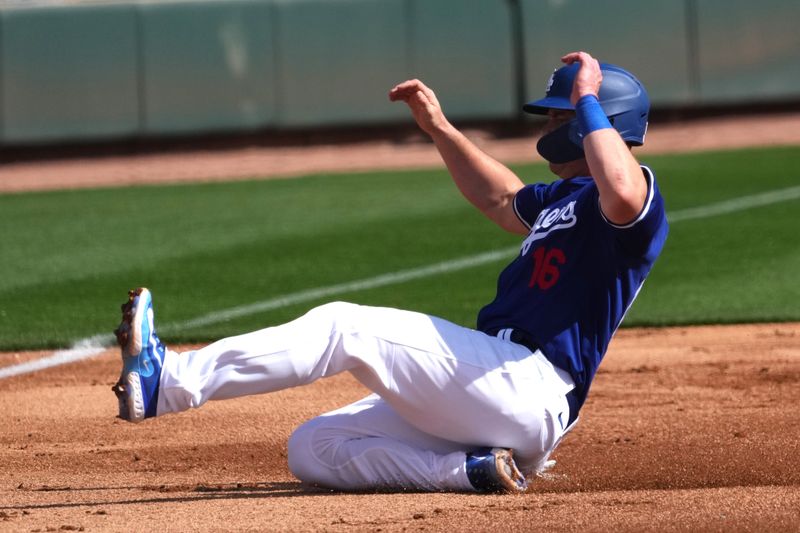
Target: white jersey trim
648,174
625,313
516,212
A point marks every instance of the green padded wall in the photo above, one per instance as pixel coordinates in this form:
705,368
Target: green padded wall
157,67
68,73
748,50
463,50
208,66
647,38
338,60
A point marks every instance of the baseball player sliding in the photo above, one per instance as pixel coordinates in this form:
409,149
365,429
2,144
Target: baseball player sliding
450,403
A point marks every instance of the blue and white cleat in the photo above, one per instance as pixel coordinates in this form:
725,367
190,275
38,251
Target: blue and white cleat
494,470
142,358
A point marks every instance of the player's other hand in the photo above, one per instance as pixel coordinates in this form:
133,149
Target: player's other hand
589,76
423,103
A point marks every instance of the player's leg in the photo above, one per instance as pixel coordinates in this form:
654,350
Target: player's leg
366,445
448,381
363,445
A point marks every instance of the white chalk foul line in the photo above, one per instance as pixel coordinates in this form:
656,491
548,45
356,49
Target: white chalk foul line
736,204
393,278
83,349
95,345
92,346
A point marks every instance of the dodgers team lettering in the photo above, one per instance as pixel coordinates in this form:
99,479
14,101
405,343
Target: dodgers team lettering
550,219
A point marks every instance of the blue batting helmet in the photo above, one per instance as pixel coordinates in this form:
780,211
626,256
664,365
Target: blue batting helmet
622,97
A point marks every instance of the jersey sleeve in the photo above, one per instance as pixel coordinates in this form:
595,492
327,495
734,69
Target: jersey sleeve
646,233
529,202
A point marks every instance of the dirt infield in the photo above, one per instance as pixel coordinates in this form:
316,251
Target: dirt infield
247,162
685,429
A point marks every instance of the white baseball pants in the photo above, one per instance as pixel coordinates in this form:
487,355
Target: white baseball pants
441,390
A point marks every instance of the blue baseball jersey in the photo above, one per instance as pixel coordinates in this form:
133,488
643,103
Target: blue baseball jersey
577,273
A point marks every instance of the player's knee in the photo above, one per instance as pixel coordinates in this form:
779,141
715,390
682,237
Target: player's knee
335,313
312,453
297,455
337,308
301,456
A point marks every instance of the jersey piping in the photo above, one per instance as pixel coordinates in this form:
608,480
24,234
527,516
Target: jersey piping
648,174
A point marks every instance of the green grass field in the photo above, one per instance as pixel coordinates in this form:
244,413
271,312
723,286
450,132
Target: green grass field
68,257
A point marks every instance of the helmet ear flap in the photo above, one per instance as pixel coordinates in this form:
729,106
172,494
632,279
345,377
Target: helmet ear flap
562,145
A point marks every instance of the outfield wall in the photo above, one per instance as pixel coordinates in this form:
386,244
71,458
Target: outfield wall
124,70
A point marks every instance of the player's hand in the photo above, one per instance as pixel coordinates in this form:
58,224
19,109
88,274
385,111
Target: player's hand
423,103
589,76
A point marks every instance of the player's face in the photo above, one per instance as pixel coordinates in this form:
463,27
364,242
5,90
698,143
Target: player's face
556,118
570,169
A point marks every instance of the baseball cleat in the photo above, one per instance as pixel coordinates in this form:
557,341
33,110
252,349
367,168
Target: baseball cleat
142,358
494,470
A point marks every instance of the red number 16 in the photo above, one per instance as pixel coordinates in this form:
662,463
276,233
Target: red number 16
545,267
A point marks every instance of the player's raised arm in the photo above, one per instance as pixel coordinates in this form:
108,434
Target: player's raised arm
619,178
486,183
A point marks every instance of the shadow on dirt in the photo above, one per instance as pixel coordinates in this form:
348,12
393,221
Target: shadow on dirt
188,493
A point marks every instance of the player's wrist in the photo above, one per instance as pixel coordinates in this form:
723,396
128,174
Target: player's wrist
590,115
440,128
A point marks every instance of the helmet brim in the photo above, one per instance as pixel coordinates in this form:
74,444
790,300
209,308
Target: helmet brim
543,105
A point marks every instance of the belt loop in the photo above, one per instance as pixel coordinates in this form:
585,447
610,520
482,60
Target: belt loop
504,334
